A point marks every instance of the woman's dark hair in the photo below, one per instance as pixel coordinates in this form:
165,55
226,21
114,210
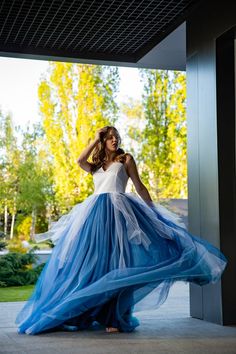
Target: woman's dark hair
99,153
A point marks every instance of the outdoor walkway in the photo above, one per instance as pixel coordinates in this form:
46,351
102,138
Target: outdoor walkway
166,330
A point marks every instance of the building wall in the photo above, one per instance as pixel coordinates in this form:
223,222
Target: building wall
211,162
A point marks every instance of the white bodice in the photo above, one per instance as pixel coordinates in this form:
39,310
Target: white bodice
114,179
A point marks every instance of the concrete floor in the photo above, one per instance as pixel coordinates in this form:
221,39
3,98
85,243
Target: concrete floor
166,330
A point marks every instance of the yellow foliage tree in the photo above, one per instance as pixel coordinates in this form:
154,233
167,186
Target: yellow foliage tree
75,100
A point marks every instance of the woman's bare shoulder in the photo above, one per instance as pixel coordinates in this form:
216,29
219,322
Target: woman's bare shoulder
128,157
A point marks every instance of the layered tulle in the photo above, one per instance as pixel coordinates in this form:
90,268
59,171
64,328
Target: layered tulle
111,252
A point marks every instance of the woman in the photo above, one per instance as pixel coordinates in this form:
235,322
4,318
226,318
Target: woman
113,250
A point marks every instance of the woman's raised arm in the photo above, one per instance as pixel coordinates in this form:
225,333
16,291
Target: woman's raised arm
83,157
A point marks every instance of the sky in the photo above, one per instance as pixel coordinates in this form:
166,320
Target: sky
19,79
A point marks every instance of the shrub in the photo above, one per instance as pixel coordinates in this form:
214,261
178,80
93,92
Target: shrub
23,228
17,269
3,244
15,245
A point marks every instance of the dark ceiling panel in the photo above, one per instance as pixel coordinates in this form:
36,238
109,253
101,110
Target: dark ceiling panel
121,30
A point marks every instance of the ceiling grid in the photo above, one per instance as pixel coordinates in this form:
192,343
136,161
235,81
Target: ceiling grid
110,29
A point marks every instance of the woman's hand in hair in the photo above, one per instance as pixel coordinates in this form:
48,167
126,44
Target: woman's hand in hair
100,132
82,159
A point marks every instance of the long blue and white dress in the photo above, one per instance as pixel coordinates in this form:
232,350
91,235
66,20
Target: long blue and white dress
111,252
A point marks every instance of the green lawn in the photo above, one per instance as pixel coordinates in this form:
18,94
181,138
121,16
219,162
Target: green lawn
16,293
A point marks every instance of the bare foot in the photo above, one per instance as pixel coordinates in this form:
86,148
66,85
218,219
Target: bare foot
112,329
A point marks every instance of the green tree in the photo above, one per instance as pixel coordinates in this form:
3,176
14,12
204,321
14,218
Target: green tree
34,175
164,136
132,114
157,132
9,166
25,174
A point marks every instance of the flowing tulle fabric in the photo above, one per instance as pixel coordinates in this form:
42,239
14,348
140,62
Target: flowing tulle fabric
111,252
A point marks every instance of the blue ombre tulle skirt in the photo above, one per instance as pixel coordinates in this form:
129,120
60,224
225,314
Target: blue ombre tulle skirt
111,253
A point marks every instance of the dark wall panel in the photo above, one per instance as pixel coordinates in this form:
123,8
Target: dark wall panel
194,174
206,215
225,84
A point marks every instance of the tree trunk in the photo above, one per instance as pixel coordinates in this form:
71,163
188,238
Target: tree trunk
32,228
12,226
5,221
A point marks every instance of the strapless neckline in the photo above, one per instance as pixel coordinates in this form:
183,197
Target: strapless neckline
114,179
101,168
109,166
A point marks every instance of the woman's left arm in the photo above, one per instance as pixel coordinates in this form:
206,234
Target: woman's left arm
134,175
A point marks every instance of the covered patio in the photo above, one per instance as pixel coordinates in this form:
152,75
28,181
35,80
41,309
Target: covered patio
175,35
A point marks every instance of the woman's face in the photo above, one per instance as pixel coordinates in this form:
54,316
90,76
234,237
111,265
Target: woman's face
112,140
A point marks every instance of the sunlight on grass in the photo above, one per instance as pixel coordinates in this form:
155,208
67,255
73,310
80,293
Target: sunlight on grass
16,293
